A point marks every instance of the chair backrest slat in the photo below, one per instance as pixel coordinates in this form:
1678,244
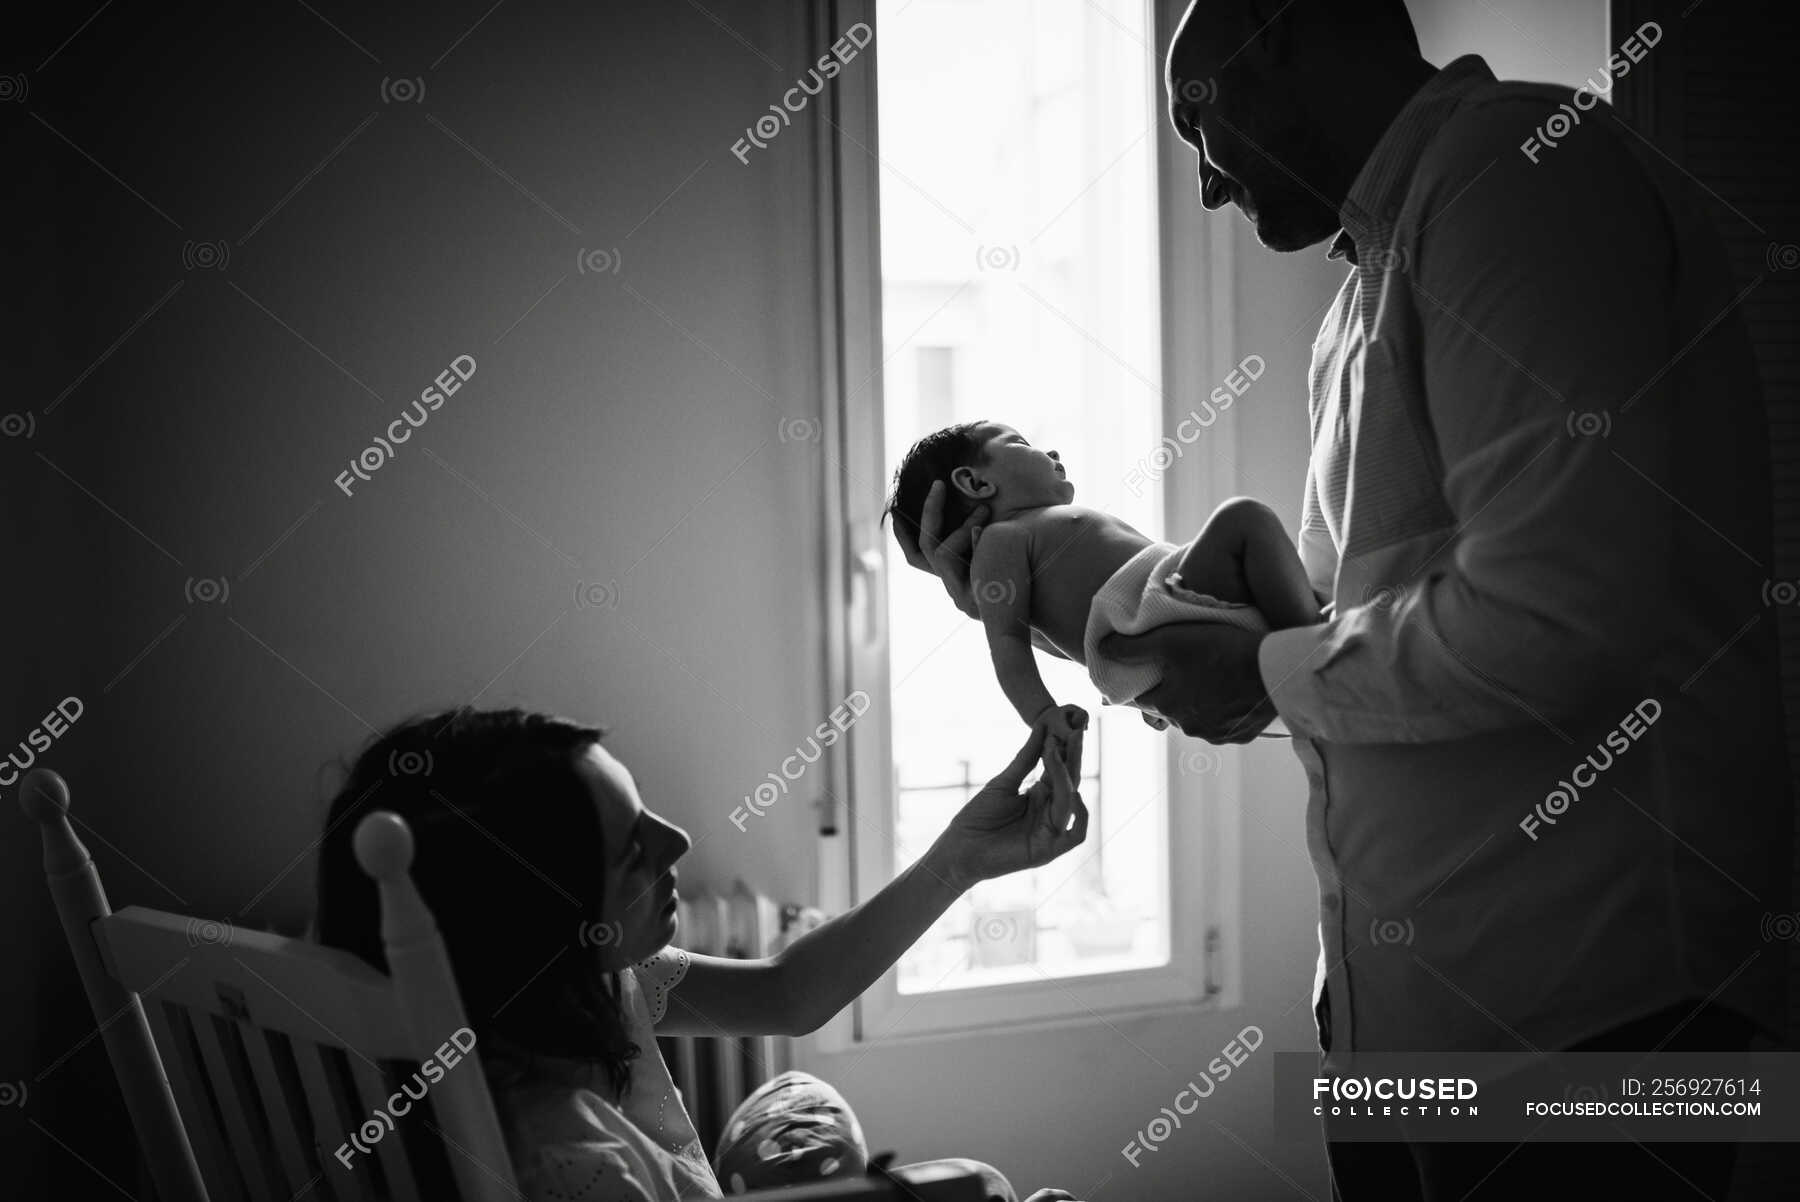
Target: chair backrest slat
287,985
426,988
331,1099
80,902
290,1123
374,1085
246,1128
172,1027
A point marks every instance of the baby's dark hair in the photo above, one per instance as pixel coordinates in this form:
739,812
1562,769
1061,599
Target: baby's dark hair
931,459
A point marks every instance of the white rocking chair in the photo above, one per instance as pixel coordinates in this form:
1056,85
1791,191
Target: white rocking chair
274,1051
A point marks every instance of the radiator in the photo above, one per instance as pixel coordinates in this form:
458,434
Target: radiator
714,1075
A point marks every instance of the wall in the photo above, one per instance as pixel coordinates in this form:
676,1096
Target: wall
621,432
1549,41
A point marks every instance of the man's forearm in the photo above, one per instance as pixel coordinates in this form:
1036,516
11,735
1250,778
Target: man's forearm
1452,662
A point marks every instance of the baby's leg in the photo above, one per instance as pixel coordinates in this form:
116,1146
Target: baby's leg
1243,554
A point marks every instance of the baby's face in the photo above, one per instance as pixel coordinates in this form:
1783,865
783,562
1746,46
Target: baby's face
1014,474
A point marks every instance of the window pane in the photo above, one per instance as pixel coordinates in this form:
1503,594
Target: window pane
1018,237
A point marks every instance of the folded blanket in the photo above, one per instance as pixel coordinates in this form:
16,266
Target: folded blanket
1143,594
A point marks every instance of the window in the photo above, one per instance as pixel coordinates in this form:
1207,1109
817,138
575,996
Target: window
1018,284
1017,156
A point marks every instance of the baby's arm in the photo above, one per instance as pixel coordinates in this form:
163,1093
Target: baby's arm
1000,576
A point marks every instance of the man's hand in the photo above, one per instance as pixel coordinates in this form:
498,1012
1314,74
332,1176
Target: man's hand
1211,684
945,558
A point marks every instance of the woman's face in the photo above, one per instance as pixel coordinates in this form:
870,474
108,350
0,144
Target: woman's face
638,915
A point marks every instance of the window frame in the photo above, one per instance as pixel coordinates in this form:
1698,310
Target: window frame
1196,292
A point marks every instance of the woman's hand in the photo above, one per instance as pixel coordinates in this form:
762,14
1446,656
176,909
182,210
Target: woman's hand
945,558
1002,830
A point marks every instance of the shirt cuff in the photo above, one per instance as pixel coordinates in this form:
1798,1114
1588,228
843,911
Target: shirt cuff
1285,660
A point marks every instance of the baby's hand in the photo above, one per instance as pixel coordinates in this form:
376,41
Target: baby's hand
1062,721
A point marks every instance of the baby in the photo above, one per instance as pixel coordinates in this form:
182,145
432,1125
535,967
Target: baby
1059,577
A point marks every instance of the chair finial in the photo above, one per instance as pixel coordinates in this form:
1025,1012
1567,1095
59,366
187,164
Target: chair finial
44,795
384,846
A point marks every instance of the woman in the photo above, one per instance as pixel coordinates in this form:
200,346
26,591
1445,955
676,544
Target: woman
553,887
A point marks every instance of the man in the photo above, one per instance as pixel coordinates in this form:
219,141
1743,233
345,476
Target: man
1540,721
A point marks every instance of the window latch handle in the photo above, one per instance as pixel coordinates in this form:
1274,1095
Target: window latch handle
866,593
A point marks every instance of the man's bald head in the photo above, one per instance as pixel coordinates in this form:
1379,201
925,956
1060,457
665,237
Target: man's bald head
1268,90
1213,31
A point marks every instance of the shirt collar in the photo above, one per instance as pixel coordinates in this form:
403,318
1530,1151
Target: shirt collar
1374,200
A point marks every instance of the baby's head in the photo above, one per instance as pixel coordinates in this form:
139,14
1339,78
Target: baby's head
981,463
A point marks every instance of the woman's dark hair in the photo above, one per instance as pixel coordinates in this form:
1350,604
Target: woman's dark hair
931,459
508,854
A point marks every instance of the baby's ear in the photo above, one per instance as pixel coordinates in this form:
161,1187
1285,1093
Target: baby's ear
966,482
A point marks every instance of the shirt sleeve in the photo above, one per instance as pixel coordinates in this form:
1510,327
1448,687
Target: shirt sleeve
657,978
1318,554
1543,298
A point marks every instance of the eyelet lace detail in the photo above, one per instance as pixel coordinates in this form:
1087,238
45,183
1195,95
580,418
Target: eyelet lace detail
657,976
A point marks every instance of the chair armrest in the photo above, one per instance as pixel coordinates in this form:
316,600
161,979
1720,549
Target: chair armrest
924,1183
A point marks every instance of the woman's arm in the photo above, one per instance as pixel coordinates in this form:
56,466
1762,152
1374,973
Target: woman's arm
793,993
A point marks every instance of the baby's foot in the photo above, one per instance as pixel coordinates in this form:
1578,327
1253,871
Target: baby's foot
1062,721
